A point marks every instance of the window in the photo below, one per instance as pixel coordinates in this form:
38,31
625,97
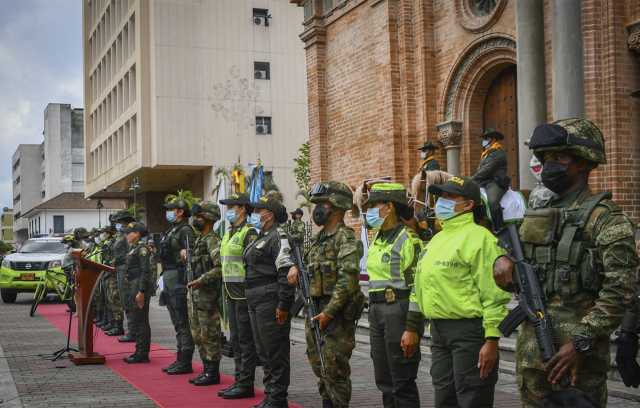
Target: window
43,175
260,17
16,216
43,194
42,157
15,166
263,125
261,70
16,199
327,5
308,10
58,224
17,181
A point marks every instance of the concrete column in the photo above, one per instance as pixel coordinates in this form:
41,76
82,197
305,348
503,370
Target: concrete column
567,59
532,88
450,135
453,159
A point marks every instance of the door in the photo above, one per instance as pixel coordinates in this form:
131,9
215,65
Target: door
58,224
501,113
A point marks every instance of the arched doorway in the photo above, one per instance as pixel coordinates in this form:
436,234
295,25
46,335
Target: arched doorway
501,113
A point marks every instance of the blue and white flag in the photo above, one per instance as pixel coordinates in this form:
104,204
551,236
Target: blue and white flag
256,183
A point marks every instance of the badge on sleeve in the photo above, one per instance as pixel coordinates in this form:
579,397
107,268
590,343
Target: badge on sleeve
144,251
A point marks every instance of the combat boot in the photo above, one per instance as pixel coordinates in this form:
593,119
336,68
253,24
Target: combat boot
194,379
240,393
97,318
184,364
127,338
327,404
137,358
108,327
170,366
211,373
118,330
233,386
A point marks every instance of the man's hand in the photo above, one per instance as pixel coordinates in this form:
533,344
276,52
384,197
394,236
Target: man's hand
140,300
322,319
487,357
626,354
193,285
281,316
409,343
183,254
126,282
567,358
503,274
292,277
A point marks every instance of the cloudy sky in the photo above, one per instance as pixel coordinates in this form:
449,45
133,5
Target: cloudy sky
40,63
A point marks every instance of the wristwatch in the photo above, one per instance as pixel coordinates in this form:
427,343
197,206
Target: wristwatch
582,344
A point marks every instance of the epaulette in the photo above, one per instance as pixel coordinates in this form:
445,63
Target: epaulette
281,232
611,205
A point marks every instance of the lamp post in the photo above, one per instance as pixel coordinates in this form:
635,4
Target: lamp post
99,206
134,186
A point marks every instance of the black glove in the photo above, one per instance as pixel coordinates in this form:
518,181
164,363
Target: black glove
626,354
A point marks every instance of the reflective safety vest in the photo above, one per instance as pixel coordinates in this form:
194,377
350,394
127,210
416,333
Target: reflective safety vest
387,261
231,255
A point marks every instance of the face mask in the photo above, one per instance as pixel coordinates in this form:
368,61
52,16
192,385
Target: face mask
96,240
256,221
118,226
446,209
486,143
171,217
197,224
85,244
555,177
373,217
102,237
423,155
231,216
319,216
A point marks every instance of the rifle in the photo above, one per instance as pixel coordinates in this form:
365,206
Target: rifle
304,291
190,275
530,300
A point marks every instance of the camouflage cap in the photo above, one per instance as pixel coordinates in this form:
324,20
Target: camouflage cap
577,136
332,192
207,209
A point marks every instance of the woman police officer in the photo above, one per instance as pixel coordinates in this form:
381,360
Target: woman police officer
396,324
455,289
270,297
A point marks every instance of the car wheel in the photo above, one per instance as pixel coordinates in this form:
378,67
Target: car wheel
8,297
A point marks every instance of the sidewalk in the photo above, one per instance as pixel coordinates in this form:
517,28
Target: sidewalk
26,379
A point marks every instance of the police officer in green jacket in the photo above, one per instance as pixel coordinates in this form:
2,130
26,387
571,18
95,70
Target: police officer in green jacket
429,162
171,251
396,324
583,245
235,240
140,283
492,173
270,297
120,250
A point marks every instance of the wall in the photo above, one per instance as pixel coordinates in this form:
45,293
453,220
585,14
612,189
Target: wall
72,219
29,187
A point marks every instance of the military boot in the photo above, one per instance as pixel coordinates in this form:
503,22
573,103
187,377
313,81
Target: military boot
211,373
233,386
497,220
184,364
118,330
137,358
327,404
169,367
97,318
105,320
107,328
127,338
194,379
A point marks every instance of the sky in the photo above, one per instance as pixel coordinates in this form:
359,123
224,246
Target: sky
40,63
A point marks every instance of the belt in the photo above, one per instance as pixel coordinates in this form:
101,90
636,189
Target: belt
320,299
134,276
170,267
388,295
254,283
120,262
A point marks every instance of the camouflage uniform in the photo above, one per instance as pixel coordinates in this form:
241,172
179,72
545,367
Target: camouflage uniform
296,231
590,300
539,197
111,280
338,295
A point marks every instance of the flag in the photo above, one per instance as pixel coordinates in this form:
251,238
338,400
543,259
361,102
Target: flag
220,225
256,183
237,179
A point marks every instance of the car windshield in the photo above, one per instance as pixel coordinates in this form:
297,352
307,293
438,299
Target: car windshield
42,247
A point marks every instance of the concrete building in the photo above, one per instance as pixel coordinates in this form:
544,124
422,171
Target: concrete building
384,76
6,225
175,90
62,152
27,186
68,211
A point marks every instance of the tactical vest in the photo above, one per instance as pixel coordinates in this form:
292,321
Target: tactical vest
231,255
565,263
384,262
201,257
170,246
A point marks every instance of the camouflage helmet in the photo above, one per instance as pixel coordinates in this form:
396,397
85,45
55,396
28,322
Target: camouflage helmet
580,137
333,192
81,232
207,210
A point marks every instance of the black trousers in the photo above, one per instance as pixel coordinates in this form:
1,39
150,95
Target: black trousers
244,346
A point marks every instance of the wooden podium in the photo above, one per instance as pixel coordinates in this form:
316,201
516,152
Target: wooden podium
86,275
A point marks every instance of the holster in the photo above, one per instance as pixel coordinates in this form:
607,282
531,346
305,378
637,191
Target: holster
179,297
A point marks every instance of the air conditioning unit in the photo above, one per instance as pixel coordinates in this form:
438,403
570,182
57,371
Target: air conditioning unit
261,75
262,129
260,21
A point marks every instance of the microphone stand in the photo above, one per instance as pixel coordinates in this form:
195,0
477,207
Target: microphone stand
59,353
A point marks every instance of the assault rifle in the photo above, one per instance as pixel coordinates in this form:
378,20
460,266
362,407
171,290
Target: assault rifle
190,275
304,291
530,301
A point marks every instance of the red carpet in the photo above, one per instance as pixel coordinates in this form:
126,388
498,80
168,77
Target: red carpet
165,390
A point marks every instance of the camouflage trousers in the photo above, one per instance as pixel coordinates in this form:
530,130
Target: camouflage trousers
534,386
113,296
98,301
205,329
336,353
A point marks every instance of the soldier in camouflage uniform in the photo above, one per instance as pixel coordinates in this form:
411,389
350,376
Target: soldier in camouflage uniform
153,263
111,282
540,194
207,275
296,230
586,274
333,261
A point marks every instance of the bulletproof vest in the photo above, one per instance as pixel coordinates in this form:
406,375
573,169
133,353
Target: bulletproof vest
566,264
200,257
168,243
231,255
384,263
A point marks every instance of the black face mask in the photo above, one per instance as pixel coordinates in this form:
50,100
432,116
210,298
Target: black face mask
198,224
319,217
555,178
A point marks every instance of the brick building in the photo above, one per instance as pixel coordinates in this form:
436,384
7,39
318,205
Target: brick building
384,76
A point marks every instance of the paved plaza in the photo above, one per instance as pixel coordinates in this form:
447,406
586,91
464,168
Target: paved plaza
29,379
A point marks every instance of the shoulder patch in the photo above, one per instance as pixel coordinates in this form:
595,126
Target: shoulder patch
281,232
611,205
144,251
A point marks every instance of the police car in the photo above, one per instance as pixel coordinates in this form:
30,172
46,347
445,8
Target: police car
21,271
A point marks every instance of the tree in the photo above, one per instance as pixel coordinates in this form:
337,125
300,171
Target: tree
303,171
185,195
306,203
139,211
5,247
